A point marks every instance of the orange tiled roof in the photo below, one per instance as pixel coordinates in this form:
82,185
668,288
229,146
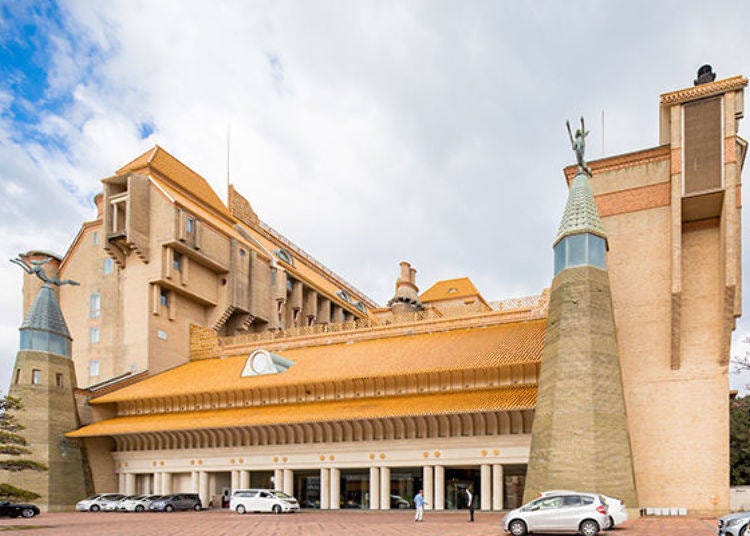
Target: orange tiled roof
450,289
159,160
511,398
458,349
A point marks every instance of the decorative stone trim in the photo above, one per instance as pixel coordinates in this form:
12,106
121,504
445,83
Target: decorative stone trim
704,90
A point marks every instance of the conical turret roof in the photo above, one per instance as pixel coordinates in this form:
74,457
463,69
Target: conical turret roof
581,214
45,314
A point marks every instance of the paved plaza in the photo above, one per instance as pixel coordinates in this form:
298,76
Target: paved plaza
223,523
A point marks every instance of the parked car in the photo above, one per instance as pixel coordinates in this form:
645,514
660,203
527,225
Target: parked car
735,524
14,509
262,500
137,503
179,501
399,503
615,507
96,503
568,512
112,504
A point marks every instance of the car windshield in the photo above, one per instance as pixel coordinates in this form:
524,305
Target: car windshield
281,495
91,498
153,497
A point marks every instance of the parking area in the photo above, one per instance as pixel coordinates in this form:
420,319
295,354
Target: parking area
308,523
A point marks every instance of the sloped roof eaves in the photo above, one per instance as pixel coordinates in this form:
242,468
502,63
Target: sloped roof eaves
501,399
460,349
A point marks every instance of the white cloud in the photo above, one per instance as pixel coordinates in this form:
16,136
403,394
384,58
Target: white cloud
366,132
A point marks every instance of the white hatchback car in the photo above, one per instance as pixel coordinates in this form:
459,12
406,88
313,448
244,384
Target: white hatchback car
262,500
97,502
615,508
567,512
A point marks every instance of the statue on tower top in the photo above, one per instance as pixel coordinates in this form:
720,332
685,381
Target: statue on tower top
35,268
579,145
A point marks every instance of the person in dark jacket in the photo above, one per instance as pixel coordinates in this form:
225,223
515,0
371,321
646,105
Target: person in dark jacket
470,503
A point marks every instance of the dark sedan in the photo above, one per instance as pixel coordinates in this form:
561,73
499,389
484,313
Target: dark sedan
15,510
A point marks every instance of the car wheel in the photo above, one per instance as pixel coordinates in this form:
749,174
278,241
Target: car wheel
169,508
95,508
241,509
611,523
517,527
589,527
276,509
139,508
743,530
28,512
197,507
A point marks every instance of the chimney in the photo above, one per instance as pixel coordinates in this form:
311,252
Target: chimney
407,294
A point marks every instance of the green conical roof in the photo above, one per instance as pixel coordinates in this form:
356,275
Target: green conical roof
581,214
45,314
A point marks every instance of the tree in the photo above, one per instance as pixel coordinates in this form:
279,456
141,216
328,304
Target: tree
739,442
12,449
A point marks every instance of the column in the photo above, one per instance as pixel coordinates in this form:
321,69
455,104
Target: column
325,488
288,482
203,488
130,484
166,483
194,486
485,492
497,487
439,487
385,488
235,481
121,483
244,479
278,479
335,489
157,484
427,487
374,488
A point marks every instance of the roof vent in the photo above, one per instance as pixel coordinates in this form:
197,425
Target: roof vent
262,362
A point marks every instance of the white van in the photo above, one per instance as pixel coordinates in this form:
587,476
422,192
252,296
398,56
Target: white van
262,500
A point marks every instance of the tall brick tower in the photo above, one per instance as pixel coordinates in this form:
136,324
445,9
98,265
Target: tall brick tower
580,438
44,380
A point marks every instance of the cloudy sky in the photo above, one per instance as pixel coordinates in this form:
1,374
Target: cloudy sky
367,132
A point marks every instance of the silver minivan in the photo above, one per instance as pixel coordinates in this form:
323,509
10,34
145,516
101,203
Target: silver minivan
570,512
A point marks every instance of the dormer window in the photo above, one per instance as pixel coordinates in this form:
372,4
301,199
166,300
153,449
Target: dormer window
262,362
452,290
285,256
361,306
344,295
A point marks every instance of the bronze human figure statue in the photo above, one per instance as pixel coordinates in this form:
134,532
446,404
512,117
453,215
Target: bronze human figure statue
579,145
36,268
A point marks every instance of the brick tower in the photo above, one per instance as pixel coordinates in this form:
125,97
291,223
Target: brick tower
44,380
580,438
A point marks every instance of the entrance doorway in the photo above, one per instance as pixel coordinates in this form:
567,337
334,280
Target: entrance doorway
514,481
457,480
405,483
307,488
219,486
355,488
261,479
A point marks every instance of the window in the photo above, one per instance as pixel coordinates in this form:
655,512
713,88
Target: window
452,291
95,238
572,500
18,375
94,335
59,379
285,256
177,261
109,266
93,367
189,225
162,335
36,376
164,298
95,306
579,250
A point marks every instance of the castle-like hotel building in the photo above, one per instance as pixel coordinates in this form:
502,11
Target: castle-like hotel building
211,353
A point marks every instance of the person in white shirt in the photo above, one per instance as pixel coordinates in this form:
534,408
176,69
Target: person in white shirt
470,503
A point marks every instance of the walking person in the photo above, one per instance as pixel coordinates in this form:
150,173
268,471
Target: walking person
419,503
470,503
